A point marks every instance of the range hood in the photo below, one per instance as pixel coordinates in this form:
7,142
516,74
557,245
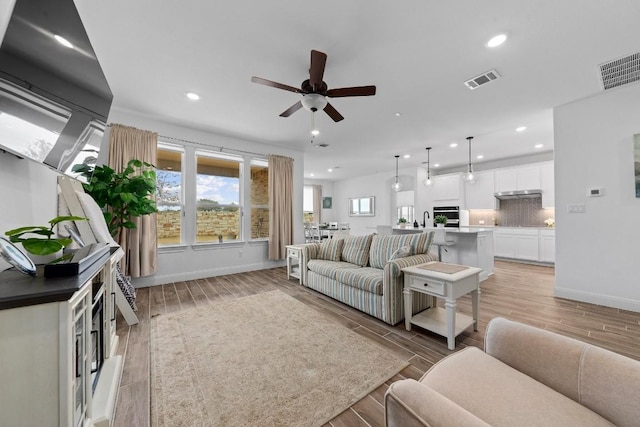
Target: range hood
520,194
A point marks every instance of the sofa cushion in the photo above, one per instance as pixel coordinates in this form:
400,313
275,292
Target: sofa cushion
365,278
356,249
503,396
421,243
330,249
383,246
328,268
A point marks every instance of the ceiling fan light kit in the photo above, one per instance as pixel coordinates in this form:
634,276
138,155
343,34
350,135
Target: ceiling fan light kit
315,91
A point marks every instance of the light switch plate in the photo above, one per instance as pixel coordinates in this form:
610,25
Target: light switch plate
576,208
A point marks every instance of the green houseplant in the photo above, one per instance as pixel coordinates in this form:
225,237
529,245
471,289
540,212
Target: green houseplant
440,220
402,222
121,195
40,239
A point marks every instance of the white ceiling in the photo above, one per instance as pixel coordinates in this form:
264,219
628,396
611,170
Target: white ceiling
417,52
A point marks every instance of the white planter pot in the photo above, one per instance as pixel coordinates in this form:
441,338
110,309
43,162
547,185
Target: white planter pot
440,225
44,259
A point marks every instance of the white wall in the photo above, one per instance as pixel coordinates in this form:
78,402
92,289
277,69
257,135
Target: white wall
597,252
328,215
377,185
27,193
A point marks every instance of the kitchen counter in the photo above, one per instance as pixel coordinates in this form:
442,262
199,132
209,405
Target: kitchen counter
448,230
472,246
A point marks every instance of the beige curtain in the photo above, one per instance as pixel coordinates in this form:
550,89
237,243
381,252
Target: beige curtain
317,203
139,244
280,205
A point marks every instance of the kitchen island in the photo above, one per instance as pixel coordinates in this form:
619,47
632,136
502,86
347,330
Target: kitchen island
470,246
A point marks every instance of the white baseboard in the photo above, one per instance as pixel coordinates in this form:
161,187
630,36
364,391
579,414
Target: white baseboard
599,299
143,282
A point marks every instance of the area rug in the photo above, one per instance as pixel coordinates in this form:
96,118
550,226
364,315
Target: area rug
260,360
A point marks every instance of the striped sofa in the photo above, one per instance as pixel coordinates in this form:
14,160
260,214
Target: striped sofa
365,272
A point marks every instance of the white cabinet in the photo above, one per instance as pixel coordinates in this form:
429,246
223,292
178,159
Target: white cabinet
516,243
547,244
480,194
518,178
547,185
50,348
506,180
448,188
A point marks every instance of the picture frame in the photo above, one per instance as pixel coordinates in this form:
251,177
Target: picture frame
327,203
14,256
362,206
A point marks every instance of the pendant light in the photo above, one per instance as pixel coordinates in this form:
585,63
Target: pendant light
428,182
396,186
469,177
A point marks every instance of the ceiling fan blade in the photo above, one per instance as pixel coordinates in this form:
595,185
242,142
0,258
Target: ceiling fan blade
333,113
295,107
266,82
316,71
352,91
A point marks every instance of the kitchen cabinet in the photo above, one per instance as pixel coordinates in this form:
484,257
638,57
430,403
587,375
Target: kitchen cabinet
547,245
480,194
516,243
547,180
518,178
448,188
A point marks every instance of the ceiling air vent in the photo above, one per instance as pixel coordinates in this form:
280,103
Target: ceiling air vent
620,71
485,78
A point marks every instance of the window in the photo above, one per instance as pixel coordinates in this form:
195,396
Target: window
218,197
169,194
259,199
307,203
362,206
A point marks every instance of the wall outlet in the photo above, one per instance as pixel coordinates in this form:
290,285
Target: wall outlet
481,222
575,208
595,192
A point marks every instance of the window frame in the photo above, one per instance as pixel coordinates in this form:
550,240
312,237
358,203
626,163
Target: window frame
162,145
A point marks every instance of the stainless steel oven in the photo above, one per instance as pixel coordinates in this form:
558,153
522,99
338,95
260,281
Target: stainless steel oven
451,212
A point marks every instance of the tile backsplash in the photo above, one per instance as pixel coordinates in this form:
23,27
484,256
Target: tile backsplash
514,213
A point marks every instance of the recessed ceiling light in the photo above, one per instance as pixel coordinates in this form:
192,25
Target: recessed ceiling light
453,145
521,129
193,96
397,114
538,146
315,132
63,41
406,156
497,40
437,165
311,174
329,170
480,156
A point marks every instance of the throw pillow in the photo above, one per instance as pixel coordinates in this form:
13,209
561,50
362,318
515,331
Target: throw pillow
401,252
356,249
330,249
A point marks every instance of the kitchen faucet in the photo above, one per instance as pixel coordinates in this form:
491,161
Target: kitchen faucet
424,221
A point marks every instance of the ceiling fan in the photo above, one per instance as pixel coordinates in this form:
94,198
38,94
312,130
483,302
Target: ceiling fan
315,91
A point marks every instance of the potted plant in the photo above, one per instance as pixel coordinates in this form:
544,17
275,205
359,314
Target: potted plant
40,240
121,195
402,222
440,220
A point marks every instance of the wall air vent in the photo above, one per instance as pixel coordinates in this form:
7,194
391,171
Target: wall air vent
620,71
482,79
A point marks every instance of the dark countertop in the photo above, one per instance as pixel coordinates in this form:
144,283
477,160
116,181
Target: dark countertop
19,290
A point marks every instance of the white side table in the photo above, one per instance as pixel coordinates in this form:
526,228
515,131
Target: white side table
450,286
294,264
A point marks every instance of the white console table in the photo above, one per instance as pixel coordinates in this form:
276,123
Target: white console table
450,286
48,331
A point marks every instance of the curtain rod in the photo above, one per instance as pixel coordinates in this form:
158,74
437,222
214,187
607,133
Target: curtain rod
220,148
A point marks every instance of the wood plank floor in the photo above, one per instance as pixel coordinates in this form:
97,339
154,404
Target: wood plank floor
516,291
